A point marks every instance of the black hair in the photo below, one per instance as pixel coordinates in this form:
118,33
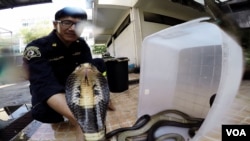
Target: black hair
75,12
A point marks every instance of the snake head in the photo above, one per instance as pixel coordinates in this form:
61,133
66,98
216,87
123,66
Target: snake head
87,72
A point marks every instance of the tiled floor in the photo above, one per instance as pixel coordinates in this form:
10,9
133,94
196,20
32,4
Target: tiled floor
239,113
125,116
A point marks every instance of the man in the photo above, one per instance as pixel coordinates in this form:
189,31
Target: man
49,61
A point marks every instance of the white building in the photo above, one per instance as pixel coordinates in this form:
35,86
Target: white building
122,25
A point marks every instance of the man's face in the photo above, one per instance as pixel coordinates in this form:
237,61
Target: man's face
69,28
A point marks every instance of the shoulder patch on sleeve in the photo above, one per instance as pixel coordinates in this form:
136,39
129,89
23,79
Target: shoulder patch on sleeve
31,52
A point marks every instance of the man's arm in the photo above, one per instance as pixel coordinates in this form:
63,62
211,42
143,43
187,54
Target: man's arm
59,104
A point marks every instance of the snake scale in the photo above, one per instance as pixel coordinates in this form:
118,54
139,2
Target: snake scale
87,95
149,124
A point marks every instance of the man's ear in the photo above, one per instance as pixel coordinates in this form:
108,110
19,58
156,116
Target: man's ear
55,24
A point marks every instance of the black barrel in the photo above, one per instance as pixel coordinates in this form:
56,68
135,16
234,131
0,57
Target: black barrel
117,74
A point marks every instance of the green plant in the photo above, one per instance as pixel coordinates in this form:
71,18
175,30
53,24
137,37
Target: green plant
247,56
35,31
99,49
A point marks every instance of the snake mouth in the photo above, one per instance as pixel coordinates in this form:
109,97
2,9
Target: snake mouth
87,75
86,99
86,80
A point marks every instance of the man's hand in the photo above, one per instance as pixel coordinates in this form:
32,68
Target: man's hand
59,104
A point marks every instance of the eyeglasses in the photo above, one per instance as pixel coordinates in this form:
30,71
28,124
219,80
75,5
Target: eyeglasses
68,23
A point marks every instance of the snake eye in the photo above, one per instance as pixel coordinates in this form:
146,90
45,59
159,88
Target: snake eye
78,67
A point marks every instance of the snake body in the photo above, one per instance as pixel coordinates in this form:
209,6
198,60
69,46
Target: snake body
87,95
180,119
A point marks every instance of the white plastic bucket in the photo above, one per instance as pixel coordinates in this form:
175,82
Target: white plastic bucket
183,66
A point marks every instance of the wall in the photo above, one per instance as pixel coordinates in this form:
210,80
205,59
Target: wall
173,10
124,45
129,42
111,49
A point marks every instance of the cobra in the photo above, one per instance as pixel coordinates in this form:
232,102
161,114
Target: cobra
87,95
